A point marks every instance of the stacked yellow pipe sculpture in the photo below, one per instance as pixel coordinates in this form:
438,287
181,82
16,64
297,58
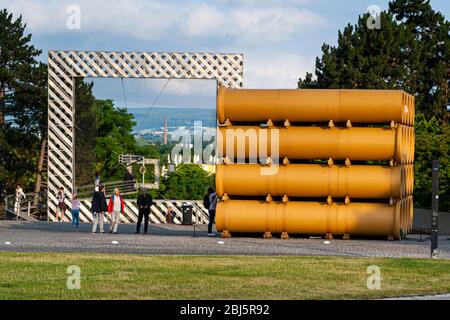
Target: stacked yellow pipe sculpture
363,186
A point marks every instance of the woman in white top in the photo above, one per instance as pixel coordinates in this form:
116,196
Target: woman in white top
19,196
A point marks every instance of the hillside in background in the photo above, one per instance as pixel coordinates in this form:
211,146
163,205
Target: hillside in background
176,117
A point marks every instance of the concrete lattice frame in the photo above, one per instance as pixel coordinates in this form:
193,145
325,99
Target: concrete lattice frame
65,66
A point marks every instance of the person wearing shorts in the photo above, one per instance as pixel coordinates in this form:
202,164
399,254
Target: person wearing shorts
61,206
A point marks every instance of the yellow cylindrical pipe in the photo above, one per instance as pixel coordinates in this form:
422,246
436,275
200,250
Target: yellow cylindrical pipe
403,216
411,179
411,212
313,105
310,218
310,180
412,145
413,110
313,143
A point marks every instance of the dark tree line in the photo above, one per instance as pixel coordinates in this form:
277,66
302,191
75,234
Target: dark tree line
411,52
23,106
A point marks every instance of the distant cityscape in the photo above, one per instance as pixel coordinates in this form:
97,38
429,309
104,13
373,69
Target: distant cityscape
150,123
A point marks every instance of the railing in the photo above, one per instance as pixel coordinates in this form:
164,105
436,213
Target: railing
158,213
126,187
32,207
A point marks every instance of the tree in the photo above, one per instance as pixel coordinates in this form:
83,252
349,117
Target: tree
85,133
187,182
428,61
432,142
410,52
114,137
22,104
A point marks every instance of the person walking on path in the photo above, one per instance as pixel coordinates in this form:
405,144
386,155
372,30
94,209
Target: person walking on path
61,207
75,212
144,203
116,207
19,196
212,210
98,209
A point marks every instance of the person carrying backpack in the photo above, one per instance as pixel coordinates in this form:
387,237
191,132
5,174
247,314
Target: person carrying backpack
212,201
206,202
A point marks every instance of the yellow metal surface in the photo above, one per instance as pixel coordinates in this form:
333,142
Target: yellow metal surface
249,142
410,213
309,218
312,180
359,106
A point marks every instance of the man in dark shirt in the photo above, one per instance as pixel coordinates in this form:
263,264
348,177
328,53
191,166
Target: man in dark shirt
144,203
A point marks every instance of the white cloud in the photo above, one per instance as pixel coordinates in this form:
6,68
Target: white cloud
261,29
182,87
149,19
135,18
264,2
250,24
275,70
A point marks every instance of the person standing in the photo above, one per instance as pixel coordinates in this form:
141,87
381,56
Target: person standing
61,207
116,207
97,181
144,203
19,196
212,210
98,209
75,212
130,179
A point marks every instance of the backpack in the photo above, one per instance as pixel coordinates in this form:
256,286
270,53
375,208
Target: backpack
206,202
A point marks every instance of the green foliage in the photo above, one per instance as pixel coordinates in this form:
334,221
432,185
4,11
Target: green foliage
85,133
188,182
23,104
114,127
410,52
432,142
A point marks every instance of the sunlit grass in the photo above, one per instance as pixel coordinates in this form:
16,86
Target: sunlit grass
43,276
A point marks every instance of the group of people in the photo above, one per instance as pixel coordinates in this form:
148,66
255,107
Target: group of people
115,207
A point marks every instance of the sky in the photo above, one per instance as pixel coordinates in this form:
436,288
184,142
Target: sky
279,39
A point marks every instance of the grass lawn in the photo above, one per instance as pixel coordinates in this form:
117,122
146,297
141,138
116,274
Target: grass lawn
43,276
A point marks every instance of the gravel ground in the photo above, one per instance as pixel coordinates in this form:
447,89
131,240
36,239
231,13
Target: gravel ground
180,240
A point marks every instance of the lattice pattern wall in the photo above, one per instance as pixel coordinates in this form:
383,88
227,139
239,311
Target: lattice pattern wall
158,212
65,66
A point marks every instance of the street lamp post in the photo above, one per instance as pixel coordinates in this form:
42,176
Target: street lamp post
435,210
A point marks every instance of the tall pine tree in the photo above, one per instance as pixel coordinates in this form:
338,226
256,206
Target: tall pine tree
23,104
410,52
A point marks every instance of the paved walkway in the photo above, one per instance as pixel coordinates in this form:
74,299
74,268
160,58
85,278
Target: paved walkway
180,240
429,297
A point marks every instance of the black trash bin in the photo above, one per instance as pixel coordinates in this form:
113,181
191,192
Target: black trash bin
186,210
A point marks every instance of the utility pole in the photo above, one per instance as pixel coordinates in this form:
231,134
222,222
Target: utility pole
165,130
435,210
